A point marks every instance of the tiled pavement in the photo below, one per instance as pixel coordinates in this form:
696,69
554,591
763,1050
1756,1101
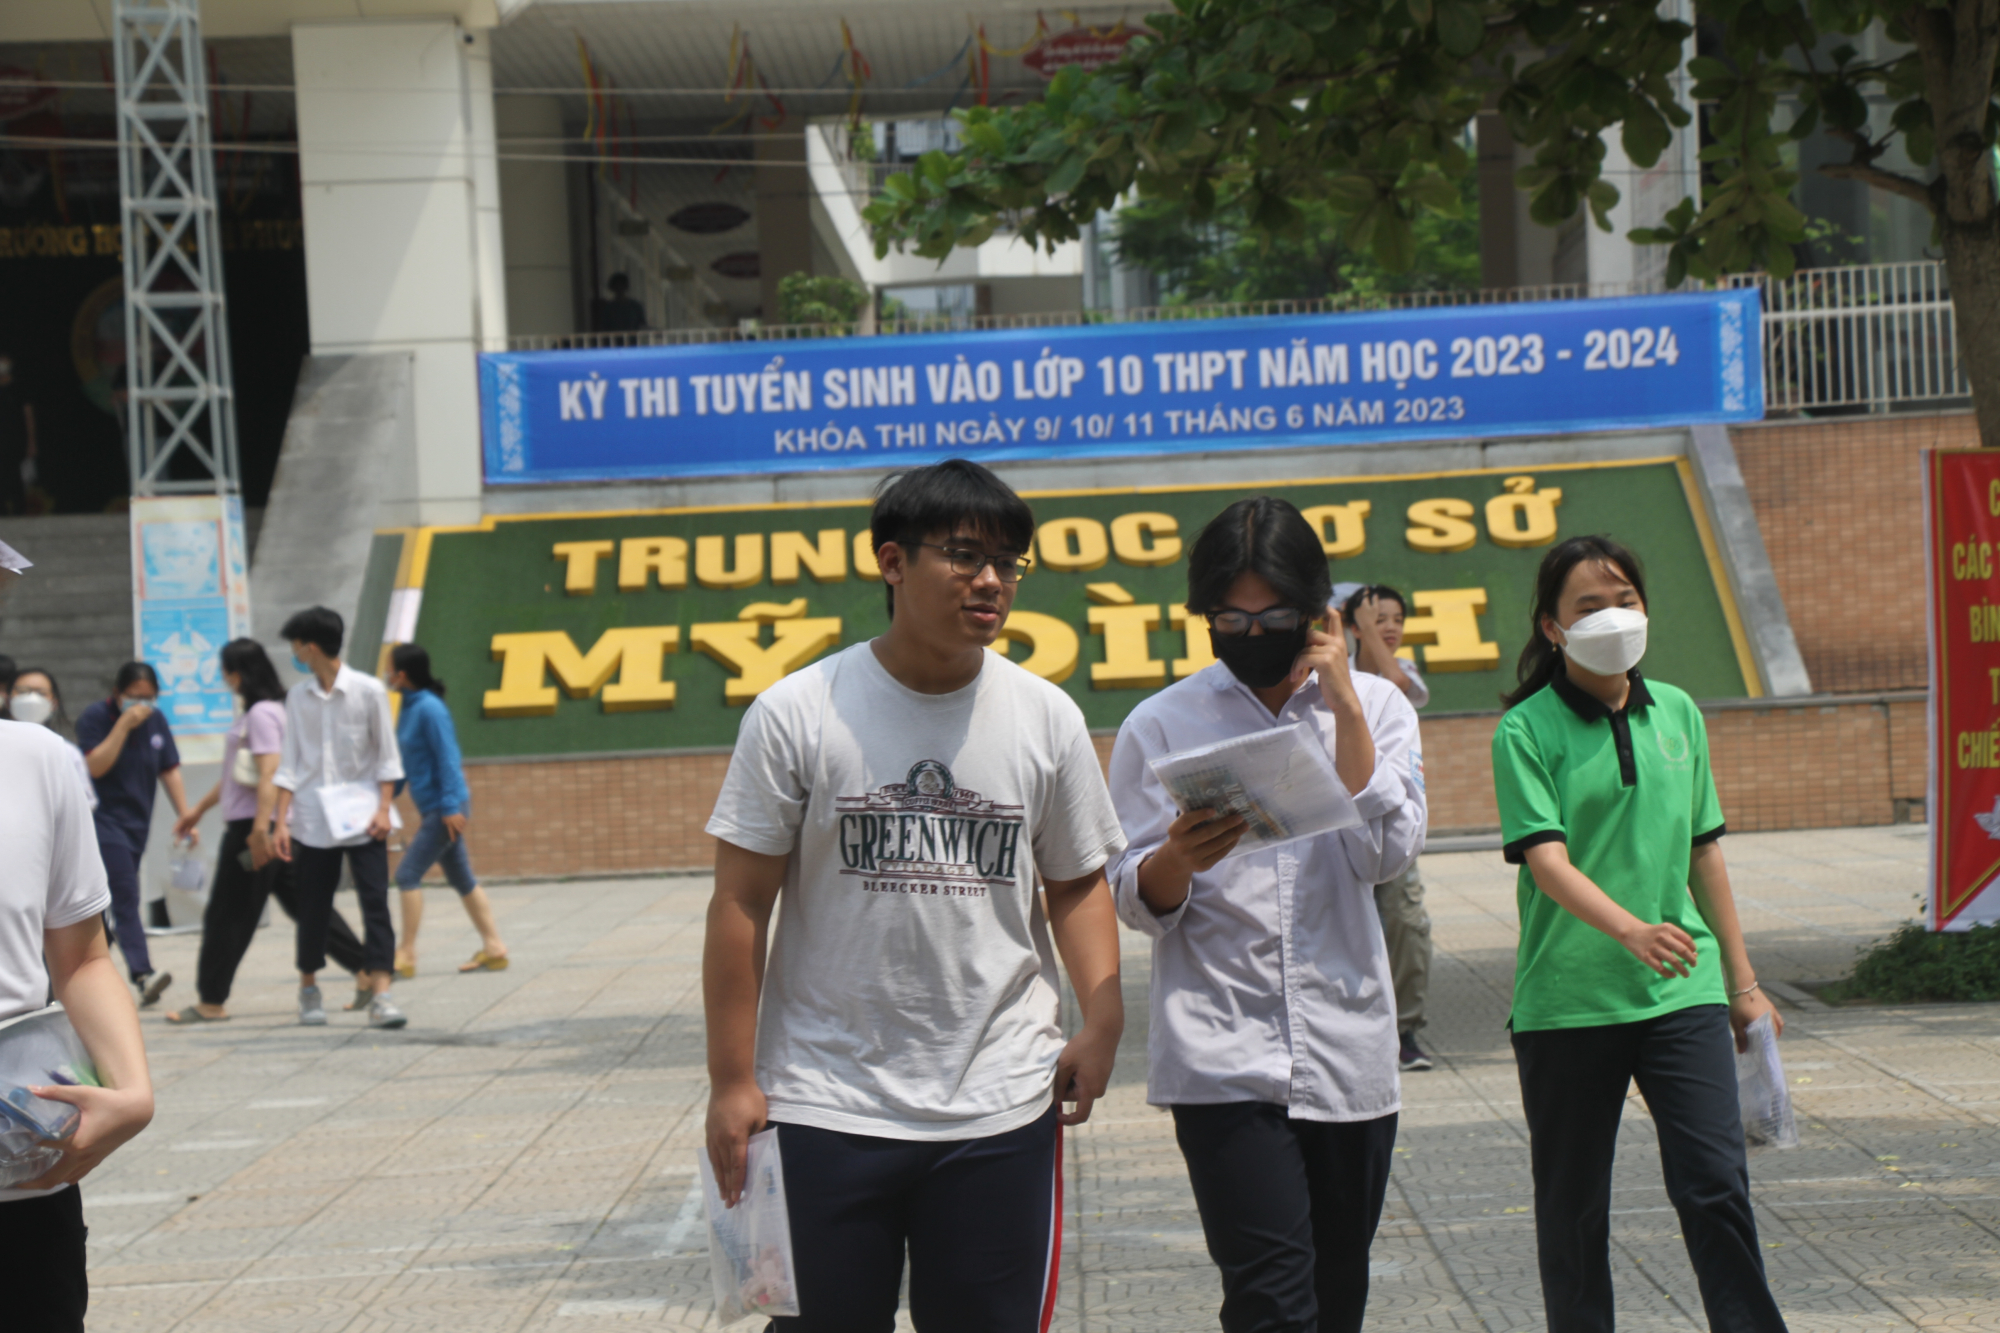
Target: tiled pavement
521,1157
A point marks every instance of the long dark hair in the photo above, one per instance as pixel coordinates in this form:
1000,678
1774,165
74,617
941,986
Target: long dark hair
58,721
1541,659
1262,535
415,663
256,678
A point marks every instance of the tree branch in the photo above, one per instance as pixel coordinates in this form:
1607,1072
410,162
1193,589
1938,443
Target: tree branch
1907,186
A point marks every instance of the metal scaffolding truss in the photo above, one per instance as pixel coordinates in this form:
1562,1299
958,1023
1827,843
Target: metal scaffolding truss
181,408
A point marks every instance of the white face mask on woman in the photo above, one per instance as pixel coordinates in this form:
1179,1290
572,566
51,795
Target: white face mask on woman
1608,642
31,706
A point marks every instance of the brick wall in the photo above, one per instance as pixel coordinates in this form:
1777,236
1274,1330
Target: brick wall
1826,764
1840,503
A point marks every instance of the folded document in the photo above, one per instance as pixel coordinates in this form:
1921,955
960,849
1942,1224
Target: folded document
1281,780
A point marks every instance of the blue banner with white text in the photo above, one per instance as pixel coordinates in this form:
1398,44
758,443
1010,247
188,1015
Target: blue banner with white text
1102,390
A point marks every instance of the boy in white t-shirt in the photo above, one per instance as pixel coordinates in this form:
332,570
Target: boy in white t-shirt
1376,612
904,797
52,901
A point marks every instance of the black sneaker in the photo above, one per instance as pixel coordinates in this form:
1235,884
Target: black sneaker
1412,1058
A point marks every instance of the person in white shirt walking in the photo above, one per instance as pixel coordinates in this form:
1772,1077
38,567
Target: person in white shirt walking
339,755
904,797
1376,612
1273,1026
52,901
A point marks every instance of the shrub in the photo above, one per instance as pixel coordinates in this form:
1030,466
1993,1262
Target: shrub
1919,964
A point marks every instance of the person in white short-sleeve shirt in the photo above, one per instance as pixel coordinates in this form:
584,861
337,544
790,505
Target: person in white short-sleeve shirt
1377,613
52,900
902,800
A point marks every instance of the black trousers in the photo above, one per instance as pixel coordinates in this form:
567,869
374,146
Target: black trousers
1289,1208
121,869
316,872
1573,1083
236,903
46,1286
980,1218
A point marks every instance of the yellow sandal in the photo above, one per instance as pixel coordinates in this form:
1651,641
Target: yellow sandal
486,962
406,968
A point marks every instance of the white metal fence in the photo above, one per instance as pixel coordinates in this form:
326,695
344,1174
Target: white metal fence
1873,337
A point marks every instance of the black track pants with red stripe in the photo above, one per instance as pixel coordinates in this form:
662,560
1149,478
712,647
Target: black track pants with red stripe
982,1219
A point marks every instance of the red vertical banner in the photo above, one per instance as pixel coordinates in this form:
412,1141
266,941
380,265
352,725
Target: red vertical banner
1962,536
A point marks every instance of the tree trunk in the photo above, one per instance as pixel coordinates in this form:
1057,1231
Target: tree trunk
1972,263
1958,46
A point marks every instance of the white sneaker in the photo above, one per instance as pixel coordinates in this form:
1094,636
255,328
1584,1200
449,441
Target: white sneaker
312,1010
384,1013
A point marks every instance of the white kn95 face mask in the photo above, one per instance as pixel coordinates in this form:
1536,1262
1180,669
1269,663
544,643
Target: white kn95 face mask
1608,642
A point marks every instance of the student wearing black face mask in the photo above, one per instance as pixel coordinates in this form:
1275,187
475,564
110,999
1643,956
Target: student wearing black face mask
1273,1032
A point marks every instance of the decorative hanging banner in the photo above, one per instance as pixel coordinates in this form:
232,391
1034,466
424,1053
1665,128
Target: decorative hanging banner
1085,48
1121,389
1962,535
190,595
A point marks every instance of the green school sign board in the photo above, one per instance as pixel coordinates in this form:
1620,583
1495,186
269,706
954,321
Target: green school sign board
647,631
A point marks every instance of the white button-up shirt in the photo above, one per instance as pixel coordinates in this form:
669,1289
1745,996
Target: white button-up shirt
1271,982
345,734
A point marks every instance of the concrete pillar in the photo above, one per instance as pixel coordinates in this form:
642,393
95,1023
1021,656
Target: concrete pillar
784,212
535,209
403,247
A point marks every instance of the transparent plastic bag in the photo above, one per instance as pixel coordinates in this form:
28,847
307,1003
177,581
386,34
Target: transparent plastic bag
187,871
750,1245
37,1049
1761,1089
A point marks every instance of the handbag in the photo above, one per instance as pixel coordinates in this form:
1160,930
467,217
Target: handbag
243,770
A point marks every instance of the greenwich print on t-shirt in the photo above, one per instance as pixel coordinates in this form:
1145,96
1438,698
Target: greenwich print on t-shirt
926,835
912,990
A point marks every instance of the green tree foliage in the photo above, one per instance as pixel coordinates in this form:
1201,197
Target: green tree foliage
803,299
1262,107
1227,260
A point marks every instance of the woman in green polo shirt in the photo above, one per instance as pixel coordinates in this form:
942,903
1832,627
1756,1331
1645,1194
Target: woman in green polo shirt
1631,962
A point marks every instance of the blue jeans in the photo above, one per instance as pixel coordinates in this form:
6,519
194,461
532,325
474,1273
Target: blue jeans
433,845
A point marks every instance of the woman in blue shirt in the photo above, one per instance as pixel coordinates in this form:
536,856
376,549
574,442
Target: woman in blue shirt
436,780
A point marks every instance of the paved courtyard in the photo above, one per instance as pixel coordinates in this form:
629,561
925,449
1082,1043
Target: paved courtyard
522,1156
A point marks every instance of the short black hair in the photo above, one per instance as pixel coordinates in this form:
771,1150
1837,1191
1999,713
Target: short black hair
317,625
9,673
132,673
1262,535
955,494
619,283
1380,591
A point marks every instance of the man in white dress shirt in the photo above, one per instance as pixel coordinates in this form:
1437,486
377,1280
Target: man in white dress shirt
339,752
1273,1032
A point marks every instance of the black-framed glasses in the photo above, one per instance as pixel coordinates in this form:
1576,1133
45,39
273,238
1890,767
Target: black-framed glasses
966,562
1275,620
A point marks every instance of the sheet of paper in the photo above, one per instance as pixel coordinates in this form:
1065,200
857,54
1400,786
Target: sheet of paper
349,806
1281,781
12,560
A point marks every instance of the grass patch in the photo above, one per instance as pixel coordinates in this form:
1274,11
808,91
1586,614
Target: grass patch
1917,964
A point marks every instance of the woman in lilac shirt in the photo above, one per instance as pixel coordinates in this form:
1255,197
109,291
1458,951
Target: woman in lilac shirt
247,871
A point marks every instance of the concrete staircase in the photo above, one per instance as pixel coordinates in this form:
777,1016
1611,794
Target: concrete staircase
71,613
